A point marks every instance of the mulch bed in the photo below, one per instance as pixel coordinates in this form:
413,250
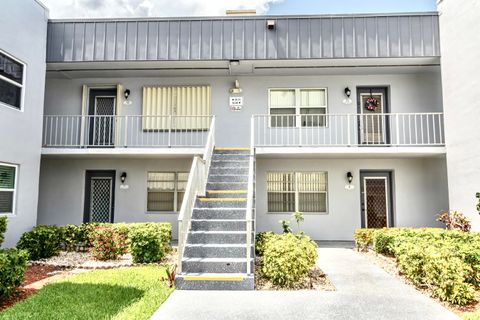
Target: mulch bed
316,280
33,274
389,264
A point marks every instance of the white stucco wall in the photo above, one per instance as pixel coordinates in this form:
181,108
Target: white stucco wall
62,189
460,45
409,92
420,192
23,25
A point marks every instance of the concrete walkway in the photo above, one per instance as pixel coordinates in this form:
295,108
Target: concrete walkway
364,291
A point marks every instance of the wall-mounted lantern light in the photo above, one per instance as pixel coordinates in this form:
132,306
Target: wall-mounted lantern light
236,87
126,94
123,177
348,93
349,186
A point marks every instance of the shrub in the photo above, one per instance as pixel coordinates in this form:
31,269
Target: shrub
384,241
455,220
261,240
13,264
363,239
287,258
146,244
107,243
3,228
42,242
162,229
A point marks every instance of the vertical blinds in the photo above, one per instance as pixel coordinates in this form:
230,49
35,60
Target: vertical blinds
190,104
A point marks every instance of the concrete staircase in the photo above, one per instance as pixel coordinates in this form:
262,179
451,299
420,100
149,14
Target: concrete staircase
215,256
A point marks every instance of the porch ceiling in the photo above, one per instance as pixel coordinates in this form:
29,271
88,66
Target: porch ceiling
71,70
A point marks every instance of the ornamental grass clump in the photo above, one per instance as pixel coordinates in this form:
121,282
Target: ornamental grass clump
108,243
287,258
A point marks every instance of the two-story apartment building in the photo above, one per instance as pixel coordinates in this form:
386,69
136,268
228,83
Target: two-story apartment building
225,125
22,83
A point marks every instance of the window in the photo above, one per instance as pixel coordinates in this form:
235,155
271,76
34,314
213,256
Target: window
165,190
297,191
11,81
8,176
190,106
298,107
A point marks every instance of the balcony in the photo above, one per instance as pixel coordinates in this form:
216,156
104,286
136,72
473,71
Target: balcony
135,134
366,133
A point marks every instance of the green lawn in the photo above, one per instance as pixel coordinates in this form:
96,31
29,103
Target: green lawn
127,293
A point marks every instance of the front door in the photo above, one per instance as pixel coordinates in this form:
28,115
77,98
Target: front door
99,196
373,122
101,111
376,197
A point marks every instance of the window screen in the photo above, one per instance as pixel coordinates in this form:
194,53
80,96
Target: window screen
7,188
297,191
165,190
286,104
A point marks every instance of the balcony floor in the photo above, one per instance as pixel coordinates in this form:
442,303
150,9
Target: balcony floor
350,152
162,152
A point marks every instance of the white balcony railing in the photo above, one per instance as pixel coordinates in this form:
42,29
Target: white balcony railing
374,129
134,131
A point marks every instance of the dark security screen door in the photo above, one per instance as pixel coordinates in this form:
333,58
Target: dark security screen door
101,122
99,196
376,197
373,125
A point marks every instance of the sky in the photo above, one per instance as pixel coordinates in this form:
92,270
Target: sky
167,8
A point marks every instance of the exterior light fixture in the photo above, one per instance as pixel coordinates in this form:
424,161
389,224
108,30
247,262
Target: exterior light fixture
270,24
349,186
126,94
348,93
123,177
236,87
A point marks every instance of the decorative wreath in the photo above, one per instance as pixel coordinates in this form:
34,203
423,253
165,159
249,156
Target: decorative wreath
371,104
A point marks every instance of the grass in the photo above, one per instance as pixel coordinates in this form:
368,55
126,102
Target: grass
127,293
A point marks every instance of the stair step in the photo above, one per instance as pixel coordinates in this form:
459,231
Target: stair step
218,213
221,150
226,185
215,250
227,193
231,156
221,203
216,237
219,225
229,164
214,281
215,265
227,178
229,170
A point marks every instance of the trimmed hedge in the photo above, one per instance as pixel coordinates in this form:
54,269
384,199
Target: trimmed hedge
261,240
448,262
146,245
3,229
13,264
287,258
42,242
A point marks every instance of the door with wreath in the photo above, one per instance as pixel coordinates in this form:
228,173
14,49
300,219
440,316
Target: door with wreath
374,118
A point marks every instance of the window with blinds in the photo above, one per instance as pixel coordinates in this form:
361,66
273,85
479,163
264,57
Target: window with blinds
165,190
297,191
8,175
190,106
309,104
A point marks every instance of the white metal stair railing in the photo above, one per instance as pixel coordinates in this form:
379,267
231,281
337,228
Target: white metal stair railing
196,186
250,214
361,129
